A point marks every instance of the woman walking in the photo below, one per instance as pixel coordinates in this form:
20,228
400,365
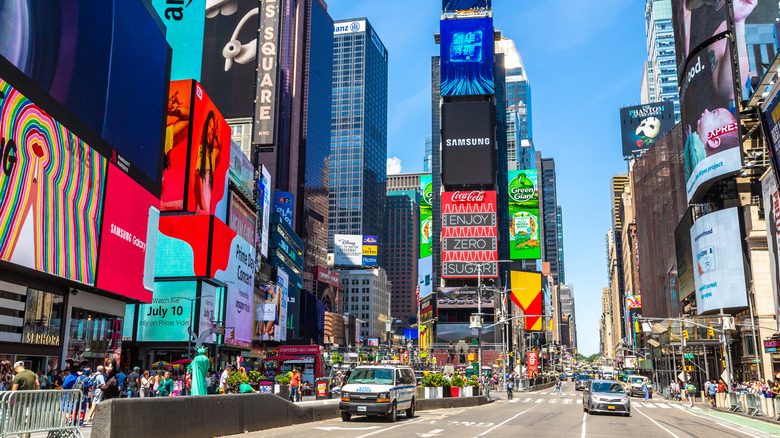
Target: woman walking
146,384
166,385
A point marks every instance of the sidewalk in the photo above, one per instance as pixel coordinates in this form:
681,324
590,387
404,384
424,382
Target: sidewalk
761,424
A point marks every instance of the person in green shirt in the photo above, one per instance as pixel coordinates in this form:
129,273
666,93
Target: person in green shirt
166,385
245,388
24,380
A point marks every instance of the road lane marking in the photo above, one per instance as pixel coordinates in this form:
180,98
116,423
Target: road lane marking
501,424
654,422
434,432
663,406
539,400
567,401
527,400
553,400
514,400
579,401
393,427
720,423
647,405
332,428
584,420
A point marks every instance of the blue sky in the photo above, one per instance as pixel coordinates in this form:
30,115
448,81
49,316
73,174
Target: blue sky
584,60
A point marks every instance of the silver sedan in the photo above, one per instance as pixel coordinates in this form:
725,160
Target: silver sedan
606,396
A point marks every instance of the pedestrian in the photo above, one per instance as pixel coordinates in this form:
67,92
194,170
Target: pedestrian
6,375
98,380
690,389
223,385
295,385
775,388
645,391
57,380
209,383
43,382
509,387
112,388
722,386
166,385
557,386
78,379
24,380
132,383
121,379
146,384
712,389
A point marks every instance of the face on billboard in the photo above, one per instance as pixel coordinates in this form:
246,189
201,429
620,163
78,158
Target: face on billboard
177,144
210,158
230,55
468,143
718,271
643,125
524,215
126,242
467,57
710,128
168,317
91,64
233,263
469,234
47,222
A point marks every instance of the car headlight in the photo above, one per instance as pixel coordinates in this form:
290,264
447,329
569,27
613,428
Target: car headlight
602,399
383,397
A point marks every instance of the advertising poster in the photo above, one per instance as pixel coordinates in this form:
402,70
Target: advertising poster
754,27
169,315
370,251
426,213
425,272
265,186
242,219
47,222
524,229
283,280
183,246
233,263
428,310
533,363
184,31
719,273
128,241
230,55
682,248
467,57
209,159
463,297
468,147
208,305
177,145
425,335
633,302
241,171
709,122
465,5
347,250
454,332
85,58
642,125
771,115
284,204
772,216
527,294
694,22
469,234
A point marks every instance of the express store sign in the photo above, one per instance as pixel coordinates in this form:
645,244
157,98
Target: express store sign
469,234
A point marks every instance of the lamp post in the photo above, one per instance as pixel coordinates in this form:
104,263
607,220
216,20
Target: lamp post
192,313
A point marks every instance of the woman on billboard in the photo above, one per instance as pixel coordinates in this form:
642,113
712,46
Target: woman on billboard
208,159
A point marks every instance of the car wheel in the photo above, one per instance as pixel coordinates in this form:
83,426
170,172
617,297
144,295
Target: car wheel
410,411
346,416
392,416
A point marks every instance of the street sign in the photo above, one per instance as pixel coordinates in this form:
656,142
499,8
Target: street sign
688,355
683,376
725,377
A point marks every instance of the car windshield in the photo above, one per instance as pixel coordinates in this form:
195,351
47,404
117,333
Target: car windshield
583,377
637,380
382,376
615,388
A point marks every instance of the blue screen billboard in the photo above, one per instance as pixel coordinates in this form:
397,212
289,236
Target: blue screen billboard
284,205
184,22
465,5
467,57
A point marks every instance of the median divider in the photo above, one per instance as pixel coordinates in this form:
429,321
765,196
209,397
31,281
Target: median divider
220,415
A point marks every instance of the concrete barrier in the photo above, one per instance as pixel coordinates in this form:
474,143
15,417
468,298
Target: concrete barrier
220,415
543,386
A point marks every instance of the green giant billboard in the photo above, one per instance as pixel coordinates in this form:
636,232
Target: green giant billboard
524,215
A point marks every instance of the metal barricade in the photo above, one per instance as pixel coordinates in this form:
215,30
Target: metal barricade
734,403
667,393
777,408
753,404
56,412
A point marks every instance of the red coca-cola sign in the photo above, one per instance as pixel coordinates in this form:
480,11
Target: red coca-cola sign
472,196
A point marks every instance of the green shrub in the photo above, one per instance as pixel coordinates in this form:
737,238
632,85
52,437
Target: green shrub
434,380
284,379
458,381
236,378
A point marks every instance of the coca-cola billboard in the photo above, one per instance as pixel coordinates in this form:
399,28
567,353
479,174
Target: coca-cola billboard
469,234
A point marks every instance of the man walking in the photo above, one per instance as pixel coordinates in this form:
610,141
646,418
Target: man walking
557,386
690,389
133,383
223,385
712,389
25,380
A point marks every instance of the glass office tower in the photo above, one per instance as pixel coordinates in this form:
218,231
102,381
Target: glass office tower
661,65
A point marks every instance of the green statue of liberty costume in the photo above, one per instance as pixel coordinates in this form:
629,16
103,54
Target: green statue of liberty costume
198,369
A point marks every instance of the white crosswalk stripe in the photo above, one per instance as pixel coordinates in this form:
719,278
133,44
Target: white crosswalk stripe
649,405
527,400
678,406
663,405
567,401
553,400
514,400
579,401
539,400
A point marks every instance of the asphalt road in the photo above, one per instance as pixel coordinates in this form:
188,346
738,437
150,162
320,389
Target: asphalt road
541,414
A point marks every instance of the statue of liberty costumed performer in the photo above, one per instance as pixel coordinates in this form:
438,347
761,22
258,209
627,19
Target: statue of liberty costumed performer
200,365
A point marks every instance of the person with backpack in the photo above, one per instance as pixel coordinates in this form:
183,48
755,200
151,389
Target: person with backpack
510,385
690,389
712,389
79,380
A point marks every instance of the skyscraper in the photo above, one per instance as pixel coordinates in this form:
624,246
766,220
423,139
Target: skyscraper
518,103
400,250
559,234
660,82
358,172
553,242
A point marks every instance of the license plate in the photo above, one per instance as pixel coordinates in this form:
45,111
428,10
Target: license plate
361,409
611,407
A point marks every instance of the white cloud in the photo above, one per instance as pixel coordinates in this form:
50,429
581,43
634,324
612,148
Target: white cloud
393,165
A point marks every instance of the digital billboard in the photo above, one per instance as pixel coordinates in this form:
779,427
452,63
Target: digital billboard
184,23
772,216
426,214
524,228
210,300
177,145
695,22
468,146
264,200
526,292
233,263
241,171
425,274
454,332
642,125
355,250
465,5
230,42
128,240
428,309
463,297
182,246
168,316
284,204
51,192
283,282
91,62
264,128
771,119
466,48
682,248
469,234
709,122
242,219
719,272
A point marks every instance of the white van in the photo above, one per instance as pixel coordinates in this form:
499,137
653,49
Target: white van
378,390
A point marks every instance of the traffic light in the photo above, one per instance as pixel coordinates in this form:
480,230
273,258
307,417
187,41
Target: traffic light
636,326
233,334
685,334
710,332
511,354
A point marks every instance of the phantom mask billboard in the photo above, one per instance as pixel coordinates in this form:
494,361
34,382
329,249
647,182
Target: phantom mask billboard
467,57
643,125
524,230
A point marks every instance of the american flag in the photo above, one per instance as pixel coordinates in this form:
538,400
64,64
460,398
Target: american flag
418,294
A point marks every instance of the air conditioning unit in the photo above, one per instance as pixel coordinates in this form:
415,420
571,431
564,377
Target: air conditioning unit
476,323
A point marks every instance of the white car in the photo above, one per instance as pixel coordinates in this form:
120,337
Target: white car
379,390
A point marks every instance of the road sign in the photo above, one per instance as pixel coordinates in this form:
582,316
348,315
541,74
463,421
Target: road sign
688,355
683,376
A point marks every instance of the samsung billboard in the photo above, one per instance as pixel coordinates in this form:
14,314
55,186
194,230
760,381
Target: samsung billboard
468,133
469,234
718,268
643,125
466,46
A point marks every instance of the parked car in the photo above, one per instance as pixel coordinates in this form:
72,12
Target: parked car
605,396
635,386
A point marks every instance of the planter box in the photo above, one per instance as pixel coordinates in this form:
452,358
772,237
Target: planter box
455,391
434,392
467,391
420,392
282,391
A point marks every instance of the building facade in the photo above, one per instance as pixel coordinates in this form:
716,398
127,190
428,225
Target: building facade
551,246
400,251
366,294
358,169
661,66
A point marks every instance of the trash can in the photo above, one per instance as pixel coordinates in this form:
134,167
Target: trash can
322,387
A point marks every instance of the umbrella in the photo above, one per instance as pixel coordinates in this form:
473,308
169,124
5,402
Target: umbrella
182,361
160,364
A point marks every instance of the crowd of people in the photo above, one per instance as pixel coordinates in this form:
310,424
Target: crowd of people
683,391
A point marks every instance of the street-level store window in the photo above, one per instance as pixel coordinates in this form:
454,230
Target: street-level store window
94,336
43,318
